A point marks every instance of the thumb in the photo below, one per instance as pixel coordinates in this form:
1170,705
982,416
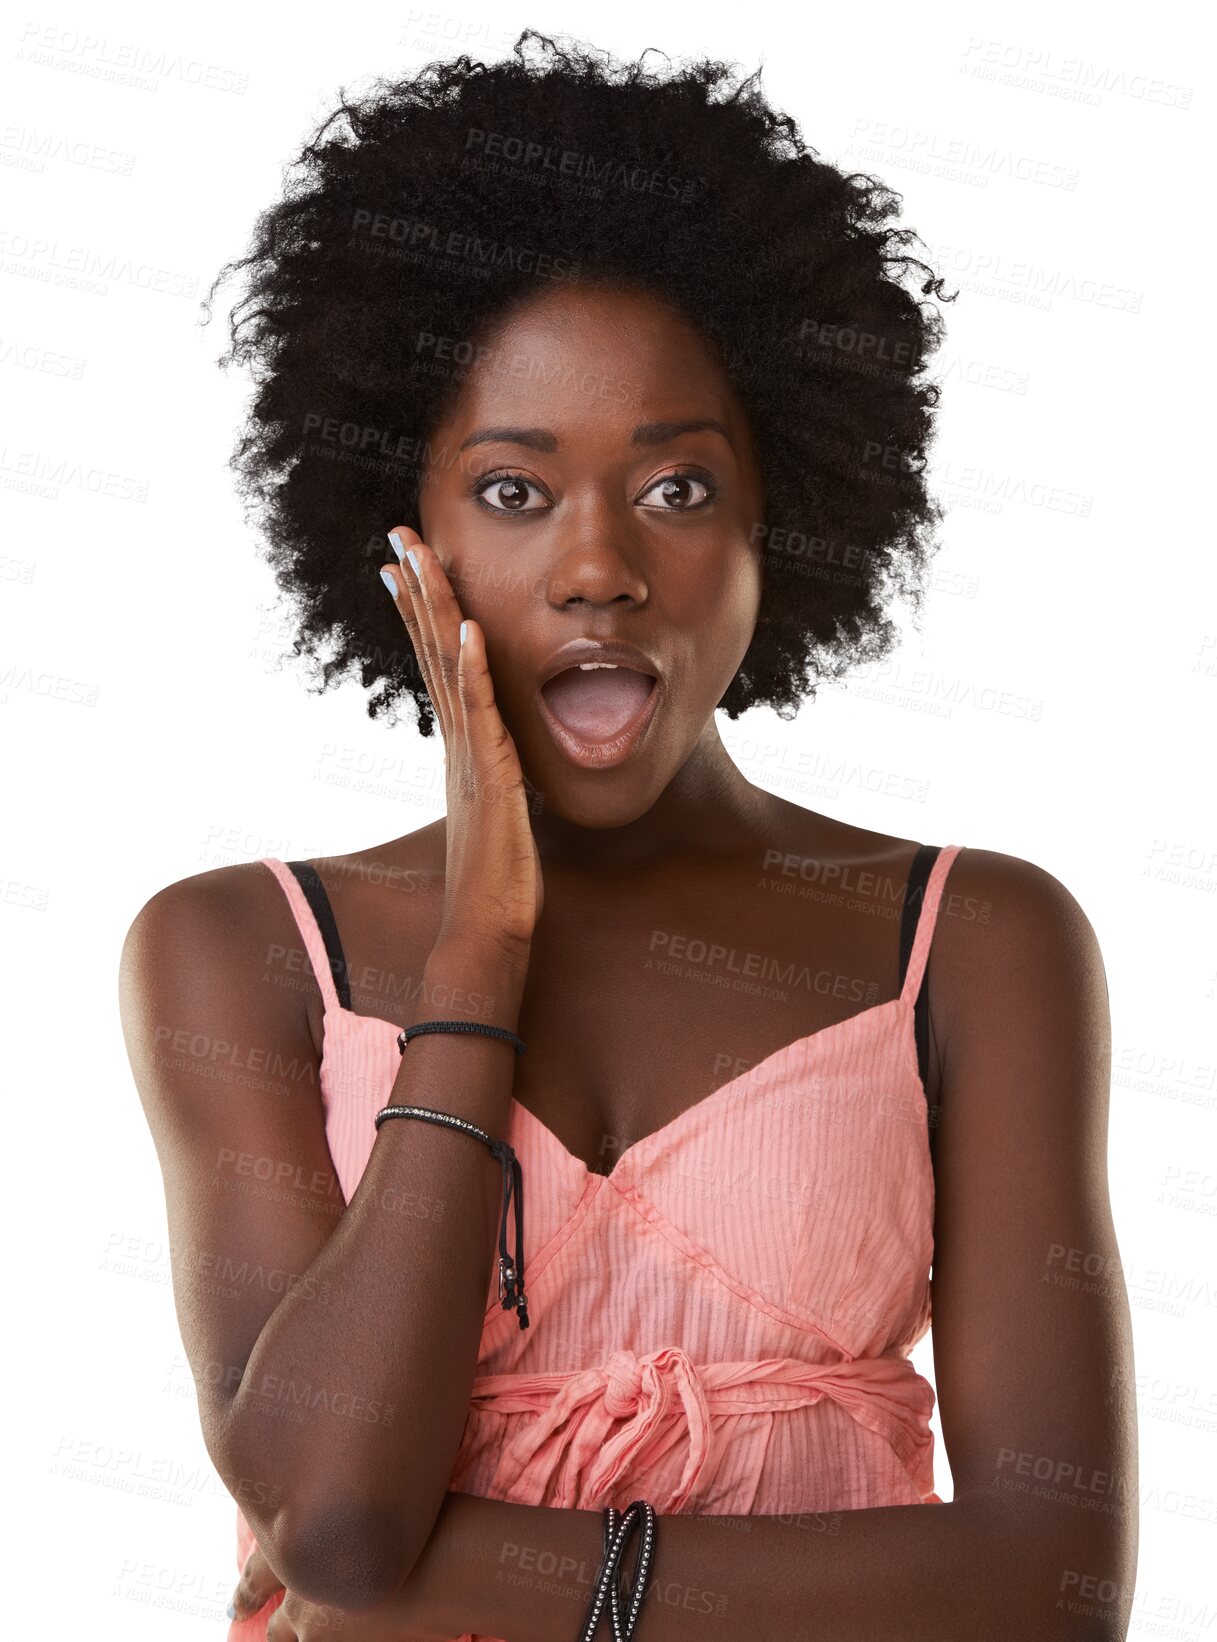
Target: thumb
257,1584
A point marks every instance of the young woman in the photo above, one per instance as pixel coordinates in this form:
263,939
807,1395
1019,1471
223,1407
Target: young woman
631,381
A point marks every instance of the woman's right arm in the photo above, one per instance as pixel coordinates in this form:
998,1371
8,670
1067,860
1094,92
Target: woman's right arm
334,1349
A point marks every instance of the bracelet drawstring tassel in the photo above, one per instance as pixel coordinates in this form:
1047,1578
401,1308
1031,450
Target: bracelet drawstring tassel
511,1272
511,1275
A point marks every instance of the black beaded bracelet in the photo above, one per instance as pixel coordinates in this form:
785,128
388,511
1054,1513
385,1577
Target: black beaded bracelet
645,1520
511,1273
616,1532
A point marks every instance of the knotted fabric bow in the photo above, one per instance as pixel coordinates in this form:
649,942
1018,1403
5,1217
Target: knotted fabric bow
599,1432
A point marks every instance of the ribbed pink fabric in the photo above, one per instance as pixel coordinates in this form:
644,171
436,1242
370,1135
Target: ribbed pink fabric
722,1324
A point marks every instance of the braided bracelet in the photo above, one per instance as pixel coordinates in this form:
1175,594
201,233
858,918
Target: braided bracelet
404,1036
511,1273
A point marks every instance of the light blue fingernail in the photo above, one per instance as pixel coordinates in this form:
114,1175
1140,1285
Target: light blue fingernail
387,577
231,1611
396,545
463,625
412,559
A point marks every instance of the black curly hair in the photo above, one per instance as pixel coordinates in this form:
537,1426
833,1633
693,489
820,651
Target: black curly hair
448,197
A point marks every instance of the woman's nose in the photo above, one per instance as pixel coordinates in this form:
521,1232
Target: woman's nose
596,572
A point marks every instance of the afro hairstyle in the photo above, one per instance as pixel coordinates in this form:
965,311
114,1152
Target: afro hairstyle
420,214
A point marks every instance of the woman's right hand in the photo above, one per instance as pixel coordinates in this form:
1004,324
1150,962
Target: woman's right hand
493,887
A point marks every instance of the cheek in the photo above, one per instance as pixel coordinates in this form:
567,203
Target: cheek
488,589
719,612
504,604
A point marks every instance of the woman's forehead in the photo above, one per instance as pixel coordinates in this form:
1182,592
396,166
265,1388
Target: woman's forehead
590,359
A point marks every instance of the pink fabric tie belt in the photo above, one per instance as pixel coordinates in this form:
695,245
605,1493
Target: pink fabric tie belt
601,1429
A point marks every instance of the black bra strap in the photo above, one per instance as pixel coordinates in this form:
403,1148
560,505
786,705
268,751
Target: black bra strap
319,902
914,894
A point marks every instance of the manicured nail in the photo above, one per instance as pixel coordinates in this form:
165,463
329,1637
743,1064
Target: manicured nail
231,1611
463,632
388,578
412,559
395,543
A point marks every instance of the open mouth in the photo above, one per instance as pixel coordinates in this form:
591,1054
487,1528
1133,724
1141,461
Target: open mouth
598,701
599,713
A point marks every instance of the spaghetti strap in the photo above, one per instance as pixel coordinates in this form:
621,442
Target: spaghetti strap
315,920
931,901
914,894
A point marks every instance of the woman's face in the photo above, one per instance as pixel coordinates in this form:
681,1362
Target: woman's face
577,491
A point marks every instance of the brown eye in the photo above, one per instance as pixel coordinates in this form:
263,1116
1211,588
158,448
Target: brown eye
676,489
505,493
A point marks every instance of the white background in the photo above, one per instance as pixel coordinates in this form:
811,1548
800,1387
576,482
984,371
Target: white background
1057,705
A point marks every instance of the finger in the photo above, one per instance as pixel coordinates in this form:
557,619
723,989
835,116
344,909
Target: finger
413,610
484,728
404,587
496,771
258,1582
440,616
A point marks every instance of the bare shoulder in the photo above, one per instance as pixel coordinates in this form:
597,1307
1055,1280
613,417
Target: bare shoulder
1017,968
217,919
1006,913
1009,883
209,960
244,901
227,939
202,914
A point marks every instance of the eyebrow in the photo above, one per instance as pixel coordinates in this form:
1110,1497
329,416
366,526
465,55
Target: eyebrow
646,433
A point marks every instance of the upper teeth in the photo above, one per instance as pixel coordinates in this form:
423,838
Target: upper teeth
584,665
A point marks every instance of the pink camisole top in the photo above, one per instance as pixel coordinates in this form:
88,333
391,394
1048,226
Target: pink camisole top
722,1324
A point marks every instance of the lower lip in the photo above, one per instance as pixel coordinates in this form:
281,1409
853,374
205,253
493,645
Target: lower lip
607,754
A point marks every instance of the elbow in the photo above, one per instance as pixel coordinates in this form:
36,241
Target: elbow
351,1555
1094,1630
1049,1573
349,1559
1103,1621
